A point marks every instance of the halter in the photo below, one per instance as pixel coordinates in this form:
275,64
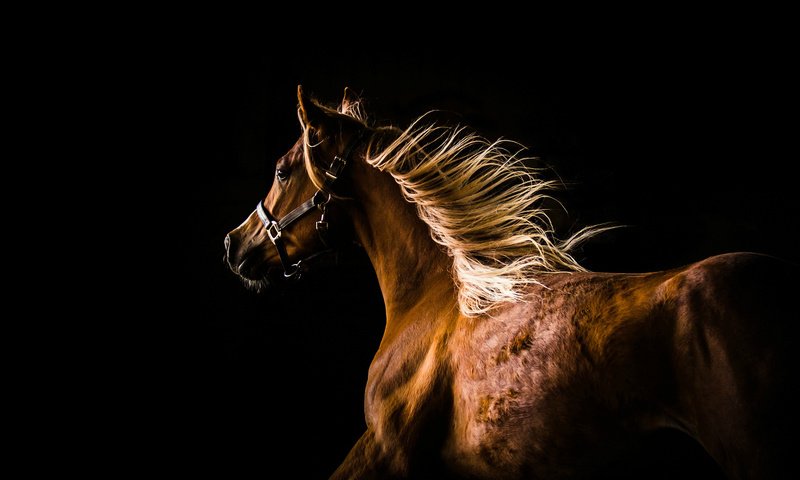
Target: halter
319,200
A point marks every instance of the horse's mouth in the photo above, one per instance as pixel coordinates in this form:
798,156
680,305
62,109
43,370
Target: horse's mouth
251,267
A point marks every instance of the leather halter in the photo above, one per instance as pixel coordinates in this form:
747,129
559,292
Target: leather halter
319,200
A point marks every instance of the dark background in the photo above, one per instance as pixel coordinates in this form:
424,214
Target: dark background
684,142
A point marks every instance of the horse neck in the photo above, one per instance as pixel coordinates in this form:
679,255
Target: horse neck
413,271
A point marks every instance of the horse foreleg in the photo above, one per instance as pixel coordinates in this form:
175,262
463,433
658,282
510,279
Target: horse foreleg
366,461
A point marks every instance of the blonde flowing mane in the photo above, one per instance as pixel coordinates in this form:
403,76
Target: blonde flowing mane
481,202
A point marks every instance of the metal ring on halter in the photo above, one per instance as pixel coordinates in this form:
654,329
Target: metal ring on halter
295,273
321,203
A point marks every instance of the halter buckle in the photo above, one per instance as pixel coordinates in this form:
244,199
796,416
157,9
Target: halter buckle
274,231
337,165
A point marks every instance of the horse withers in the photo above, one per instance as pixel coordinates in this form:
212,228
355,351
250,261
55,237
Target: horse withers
502,358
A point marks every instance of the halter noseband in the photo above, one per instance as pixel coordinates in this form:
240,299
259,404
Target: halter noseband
319,200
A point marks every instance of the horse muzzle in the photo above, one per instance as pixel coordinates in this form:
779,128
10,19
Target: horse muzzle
248,263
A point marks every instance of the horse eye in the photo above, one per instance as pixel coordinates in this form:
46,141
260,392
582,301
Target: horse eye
282,174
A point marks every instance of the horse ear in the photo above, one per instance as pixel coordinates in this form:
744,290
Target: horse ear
310,113
350,99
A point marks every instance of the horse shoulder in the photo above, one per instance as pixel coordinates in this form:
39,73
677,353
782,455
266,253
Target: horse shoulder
522,376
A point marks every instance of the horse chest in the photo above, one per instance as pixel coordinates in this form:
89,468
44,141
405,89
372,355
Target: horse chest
406,391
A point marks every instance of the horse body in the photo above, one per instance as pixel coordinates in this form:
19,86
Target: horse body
557,386
558,383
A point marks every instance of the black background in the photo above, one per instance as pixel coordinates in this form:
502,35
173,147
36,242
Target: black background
682,141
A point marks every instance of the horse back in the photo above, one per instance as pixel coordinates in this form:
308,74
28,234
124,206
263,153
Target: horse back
733,352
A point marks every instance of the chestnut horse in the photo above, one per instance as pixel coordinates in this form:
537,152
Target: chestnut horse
502,358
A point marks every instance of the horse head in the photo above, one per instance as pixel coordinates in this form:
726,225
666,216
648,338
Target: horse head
301,215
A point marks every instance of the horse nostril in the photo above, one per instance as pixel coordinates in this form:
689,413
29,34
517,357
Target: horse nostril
227,243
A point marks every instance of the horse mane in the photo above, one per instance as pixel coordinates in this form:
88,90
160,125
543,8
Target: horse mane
482,202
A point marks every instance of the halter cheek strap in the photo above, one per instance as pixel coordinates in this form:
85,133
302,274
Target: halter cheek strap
319,200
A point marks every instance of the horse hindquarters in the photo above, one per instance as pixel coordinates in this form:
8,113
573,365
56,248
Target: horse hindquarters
734,358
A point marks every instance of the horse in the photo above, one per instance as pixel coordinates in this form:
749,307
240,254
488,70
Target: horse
503,358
